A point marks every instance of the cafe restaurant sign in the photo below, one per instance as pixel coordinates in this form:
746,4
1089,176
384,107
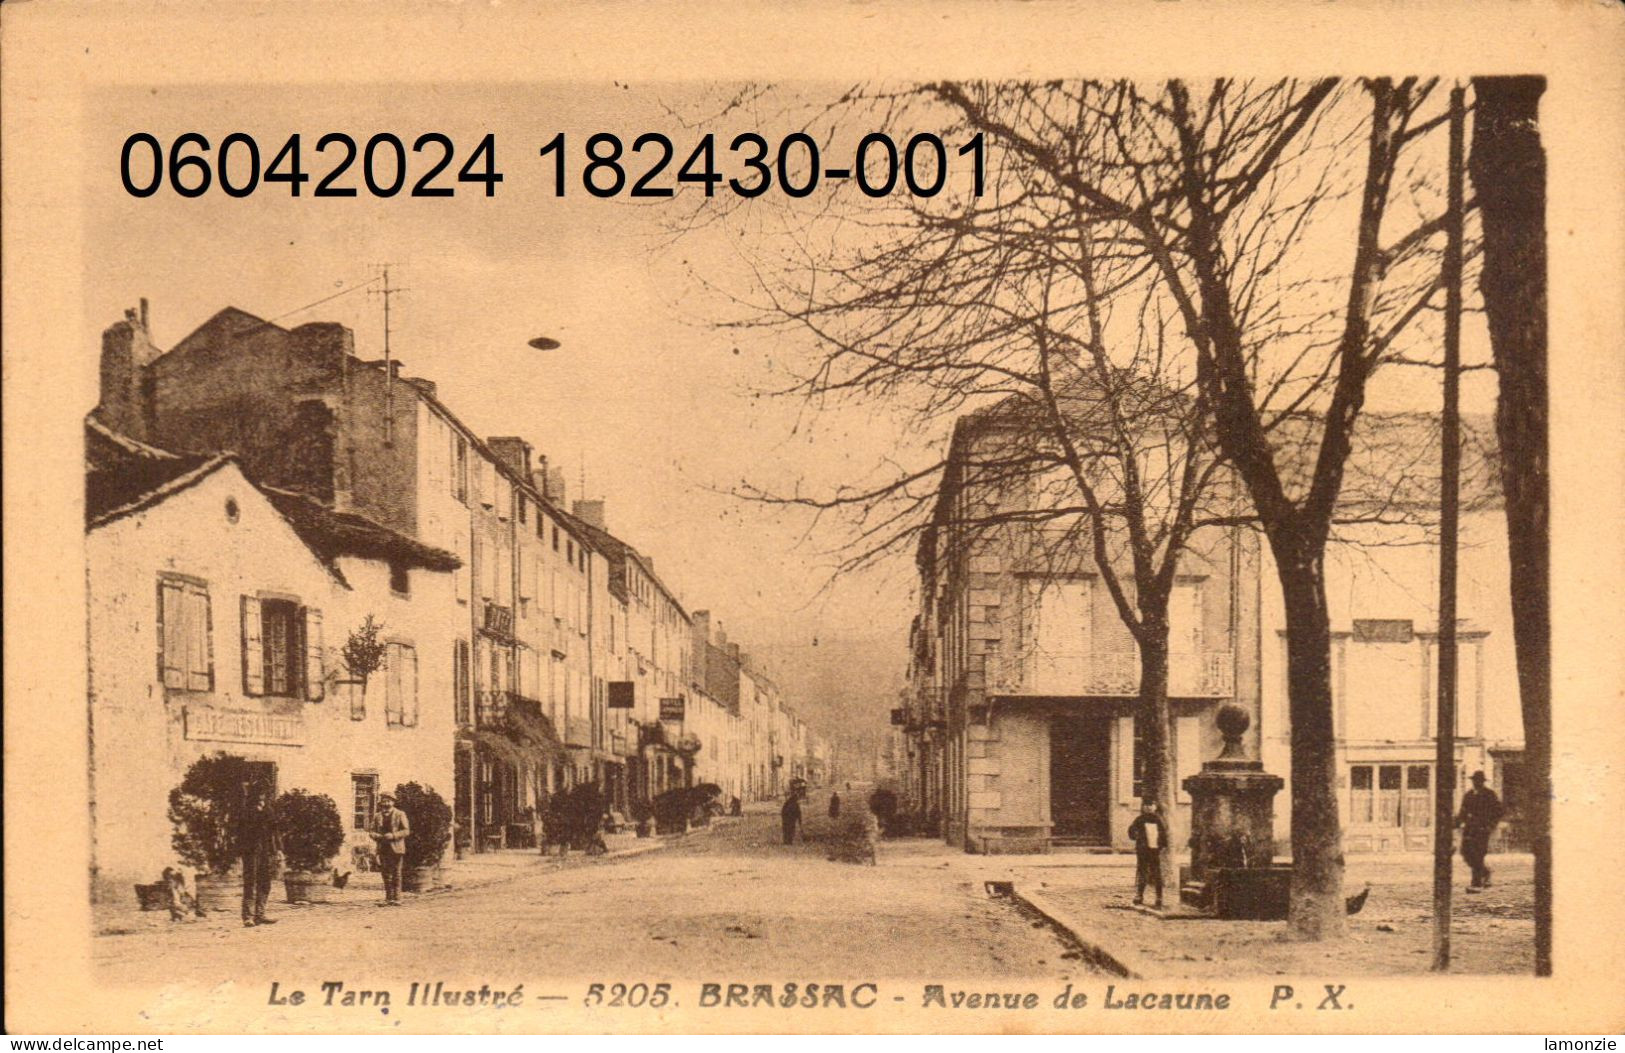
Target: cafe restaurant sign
231,725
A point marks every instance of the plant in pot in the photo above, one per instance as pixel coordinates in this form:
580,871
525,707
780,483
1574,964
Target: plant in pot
429,818
312,835
205,812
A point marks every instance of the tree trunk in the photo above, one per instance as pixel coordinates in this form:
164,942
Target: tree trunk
1317,838
1509,174
1155,719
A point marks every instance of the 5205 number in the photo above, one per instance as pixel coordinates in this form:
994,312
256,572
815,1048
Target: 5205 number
189,170
634,996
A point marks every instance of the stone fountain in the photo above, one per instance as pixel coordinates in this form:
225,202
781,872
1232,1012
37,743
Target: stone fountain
1233,873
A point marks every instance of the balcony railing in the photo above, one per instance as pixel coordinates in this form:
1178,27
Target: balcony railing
1209,674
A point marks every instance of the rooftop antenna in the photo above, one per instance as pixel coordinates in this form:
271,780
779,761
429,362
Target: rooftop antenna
386,292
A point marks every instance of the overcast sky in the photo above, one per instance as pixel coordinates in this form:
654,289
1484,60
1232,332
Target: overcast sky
647,400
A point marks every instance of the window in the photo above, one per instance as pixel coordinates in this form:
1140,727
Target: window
282,648
364,792
1185,618
461,694
541,525
400,685
570,550
185,636
1362,805
555,538
459,469
522,512
400,579
1418,801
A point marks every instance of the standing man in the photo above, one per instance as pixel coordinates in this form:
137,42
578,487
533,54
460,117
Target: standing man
390,831
790,815
257,840
1149,834
1480,814
834,805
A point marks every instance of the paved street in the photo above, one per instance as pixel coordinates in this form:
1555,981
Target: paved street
728,904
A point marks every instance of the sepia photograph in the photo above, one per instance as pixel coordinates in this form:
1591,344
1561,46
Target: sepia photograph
948,546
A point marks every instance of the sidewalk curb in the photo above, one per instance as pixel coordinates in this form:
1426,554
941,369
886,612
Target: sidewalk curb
1093,950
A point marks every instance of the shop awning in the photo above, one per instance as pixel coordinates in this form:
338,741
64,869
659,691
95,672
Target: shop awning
522,734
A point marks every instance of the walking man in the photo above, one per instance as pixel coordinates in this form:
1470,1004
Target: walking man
1480,813
1149,834
790,815
259,844
390,831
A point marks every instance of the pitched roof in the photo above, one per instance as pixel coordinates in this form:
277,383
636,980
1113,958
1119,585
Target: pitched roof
113,493
331,534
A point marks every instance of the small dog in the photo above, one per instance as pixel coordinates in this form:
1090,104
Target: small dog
181,902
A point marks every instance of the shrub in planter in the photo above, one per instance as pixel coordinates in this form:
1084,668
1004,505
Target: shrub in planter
205,811
429,817
312,835
672,811
884,804
574,816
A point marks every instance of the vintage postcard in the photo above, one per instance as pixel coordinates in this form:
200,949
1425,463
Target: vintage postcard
829,518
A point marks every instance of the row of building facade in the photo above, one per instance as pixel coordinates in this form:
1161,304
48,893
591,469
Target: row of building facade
1016,729
257,497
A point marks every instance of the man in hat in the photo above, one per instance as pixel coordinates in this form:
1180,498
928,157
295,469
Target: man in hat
258,841
1479,815
390,830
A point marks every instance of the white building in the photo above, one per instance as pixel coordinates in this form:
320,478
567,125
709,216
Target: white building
217,617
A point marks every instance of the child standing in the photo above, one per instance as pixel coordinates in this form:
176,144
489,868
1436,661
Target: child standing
1149,834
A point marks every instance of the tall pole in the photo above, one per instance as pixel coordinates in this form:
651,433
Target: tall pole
387,292
1444,800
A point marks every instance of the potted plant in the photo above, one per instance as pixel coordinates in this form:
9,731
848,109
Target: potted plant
312,835
363,651
429,817
205,811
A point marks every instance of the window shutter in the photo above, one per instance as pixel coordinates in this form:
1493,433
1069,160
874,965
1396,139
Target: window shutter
171,638
463,572
253,648
208,636
315,673
392,684
1187,754
409,686
199,660
1125,759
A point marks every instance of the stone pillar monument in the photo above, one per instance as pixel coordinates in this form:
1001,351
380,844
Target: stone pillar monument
1233,830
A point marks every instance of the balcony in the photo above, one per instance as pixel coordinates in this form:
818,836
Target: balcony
1209,674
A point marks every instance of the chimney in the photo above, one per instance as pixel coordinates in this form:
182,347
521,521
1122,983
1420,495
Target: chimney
126,351
555,486
592,513
538,475
513,452
702,625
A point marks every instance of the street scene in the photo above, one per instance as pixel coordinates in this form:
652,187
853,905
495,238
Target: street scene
1122,556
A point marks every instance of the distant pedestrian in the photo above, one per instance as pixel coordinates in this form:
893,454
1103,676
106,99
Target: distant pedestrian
834,805
736,807
790,816
259,844
1149,834
390,829
1480,813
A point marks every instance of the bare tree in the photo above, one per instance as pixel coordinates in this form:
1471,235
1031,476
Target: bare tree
1253,216
1508,169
